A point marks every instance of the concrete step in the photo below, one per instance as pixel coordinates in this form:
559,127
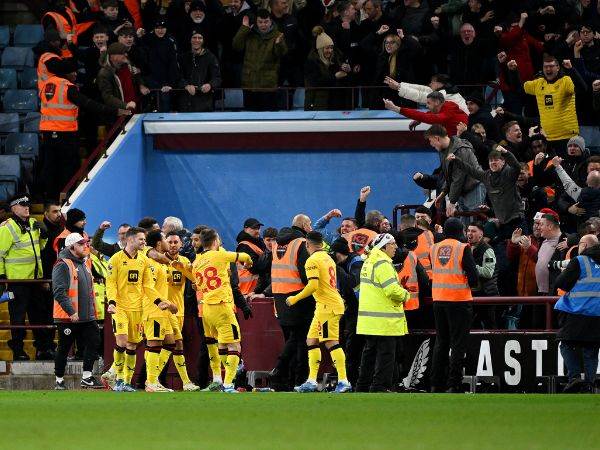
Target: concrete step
36,382
46,368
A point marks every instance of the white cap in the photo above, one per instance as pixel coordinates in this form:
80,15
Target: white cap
383,239
73,239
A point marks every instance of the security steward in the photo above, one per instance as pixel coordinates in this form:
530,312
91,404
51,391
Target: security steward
380,315
60,103
75,310
579,315
21,241
410,269
288,277
454,273
249,242
51,59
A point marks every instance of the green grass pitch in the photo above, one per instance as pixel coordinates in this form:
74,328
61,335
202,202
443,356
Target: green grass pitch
111,421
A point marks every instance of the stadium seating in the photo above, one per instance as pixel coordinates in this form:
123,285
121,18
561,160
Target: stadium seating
28,35
9,123
10,174
4,36
28,78
299,98
31,123
8,79
25,145
20,100
17,57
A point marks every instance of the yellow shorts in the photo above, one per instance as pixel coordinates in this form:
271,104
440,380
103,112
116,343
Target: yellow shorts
325,326
128,322
220,323
156,328
176,326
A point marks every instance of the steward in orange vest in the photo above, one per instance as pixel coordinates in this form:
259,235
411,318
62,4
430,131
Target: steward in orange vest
288,277
60,101
75,309
50,59
453,271
63,19
249,242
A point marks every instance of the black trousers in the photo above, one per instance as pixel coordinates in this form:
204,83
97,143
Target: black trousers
60,154
31,301
292,362
261,101
86,332
452,324
377,364
354,345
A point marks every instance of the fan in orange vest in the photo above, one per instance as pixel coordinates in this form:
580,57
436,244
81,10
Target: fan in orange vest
249,242
453,271
75,309
63,19
418,240
60,101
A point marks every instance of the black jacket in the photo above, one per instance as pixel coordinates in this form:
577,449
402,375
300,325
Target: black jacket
48,254
60,286
163,69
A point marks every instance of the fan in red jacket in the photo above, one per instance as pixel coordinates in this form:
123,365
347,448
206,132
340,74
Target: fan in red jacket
440,112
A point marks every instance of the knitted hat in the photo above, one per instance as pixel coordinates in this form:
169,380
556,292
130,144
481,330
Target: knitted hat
323,39
197,6
74,215
476,98
578,141
547,212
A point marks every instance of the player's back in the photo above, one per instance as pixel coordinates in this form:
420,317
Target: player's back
211,270
124,282
159,274
320,265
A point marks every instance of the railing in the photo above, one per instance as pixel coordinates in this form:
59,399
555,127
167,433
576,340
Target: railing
99,152
356,95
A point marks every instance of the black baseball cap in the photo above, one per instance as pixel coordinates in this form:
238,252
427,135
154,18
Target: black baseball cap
252,223
340,245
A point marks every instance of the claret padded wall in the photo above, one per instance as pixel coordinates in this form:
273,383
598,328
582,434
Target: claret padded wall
221,168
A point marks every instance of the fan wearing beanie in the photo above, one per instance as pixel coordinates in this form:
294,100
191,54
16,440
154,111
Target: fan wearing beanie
74,224
453,273
324,67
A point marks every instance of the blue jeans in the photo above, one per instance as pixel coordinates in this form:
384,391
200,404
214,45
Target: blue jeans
471,201
573,362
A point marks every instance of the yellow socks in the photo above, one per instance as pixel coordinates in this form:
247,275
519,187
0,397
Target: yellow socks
165,353
214,360
179,361
314,361
152,364
129,367
118,361
233,359
339,361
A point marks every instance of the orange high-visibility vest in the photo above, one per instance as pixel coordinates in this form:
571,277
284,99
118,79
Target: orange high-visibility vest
42,71
285,276
64,27
424,243
73,292
567,258
63,235
248,280
409,269
94,6
57,111
359,239
133,8
449,282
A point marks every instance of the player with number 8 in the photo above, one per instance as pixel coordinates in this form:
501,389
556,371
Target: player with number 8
325,326
210,272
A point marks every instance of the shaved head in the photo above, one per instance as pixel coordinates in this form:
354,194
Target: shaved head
302,221
587,241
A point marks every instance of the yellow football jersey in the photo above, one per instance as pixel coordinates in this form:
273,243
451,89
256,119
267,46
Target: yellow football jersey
176,282
211,271
159,274
129,280
321,267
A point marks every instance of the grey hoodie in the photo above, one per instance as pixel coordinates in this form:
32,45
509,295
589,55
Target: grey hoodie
60,286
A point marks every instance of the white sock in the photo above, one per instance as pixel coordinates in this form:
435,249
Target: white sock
311,381
228,386
59,379
86,374
217,379
111,370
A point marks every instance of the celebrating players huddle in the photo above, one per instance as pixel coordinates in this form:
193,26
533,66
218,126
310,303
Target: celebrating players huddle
145,288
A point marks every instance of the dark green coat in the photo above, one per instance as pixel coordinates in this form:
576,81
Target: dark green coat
261,58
